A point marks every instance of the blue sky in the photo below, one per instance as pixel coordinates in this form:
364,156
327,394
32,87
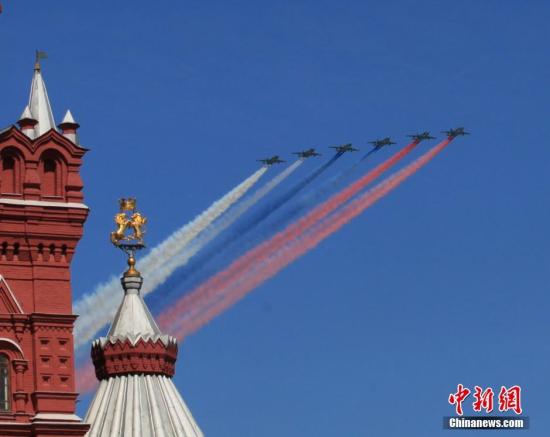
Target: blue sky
443,282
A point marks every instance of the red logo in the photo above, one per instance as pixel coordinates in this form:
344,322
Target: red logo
484,399
459,397
509,399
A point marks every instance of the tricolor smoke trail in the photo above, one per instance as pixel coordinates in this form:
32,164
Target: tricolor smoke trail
86,377
289,233
315,195
98,308
226,288
180,259
194,269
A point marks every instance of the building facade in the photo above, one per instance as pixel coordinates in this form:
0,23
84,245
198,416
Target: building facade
41,222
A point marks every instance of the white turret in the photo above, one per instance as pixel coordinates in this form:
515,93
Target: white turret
39,103
68,127
27,123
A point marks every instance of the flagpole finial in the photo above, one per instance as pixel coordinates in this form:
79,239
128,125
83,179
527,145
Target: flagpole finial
39,55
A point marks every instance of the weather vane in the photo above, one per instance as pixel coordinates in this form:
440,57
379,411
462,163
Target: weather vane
39,55
129,233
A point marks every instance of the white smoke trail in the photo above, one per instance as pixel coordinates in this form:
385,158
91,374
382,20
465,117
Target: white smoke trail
223,223
98,308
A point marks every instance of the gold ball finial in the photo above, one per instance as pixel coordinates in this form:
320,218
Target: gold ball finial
131,272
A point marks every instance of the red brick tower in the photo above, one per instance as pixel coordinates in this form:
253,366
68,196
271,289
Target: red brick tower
41,221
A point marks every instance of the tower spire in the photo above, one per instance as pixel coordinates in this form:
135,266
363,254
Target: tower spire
135,361
39,103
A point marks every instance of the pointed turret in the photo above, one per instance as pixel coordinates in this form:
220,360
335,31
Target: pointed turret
39,103
135,364
68,127
27,123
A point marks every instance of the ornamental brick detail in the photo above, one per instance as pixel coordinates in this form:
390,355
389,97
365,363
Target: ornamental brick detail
150,357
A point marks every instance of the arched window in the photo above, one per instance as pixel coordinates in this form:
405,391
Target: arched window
52,170
49,181
9,174
4,383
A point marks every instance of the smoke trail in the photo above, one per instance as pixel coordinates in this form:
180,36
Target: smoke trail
164,270
98,308
195,268
290,232
180,259
223,295
85,377
317,194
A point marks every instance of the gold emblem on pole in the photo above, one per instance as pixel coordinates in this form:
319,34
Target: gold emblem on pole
129,232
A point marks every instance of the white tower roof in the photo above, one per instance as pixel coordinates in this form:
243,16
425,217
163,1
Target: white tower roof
39,103
133,319
140,405
68,117
135,362
26,114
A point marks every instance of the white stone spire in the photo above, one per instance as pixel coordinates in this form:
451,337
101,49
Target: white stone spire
39,103
133,319
135,364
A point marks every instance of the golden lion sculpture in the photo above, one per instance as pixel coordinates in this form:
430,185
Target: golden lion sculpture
136,223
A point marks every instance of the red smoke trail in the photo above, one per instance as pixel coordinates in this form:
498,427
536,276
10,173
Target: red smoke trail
289,233
236,287
282,253
85,378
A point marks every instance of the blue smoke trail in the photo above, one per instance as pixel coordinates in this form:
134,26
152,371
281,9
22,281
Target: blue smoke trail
181,259
315,195
195,268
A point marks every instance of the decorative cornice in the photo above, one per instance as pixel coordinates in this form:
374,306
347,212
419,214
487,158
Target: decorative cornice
43,203
144,357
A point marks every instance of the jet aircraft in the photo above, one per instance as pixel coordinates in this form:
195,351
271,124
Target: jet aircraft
273,160
344,148
422,136
378,144
307,153
452,133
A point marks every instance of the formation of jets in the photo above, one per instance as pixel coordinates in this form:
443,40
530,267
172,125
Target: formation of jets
377,144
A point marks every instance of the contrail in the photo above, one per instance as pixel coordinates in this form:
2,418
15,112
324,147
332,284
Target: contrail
86,378
290,232
316,194
181,258
194,268
98,308
221,295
